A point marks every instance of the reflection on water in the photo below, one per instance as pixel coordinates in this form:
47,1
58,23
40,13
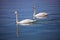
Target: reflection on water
44,29
35,22
17,30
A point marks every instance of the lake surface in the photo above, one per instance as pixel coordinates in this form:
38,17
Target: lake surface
43,29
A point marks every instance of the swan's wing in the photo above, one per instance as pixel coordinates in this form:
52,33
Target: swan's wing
41,14
26,21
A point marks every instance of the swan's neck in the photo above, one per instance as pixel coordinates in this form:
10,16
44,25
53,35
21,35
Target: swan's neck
16,16
34,17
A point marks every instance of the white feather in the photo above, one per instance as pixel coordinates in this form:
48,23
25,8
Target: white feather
26,21
41,15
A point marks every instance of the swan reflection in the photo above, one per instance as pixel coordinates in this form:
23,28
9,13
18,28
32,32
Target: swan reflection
17,30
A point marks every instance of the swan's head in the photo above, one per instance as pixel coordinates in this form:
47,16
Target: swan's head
16,12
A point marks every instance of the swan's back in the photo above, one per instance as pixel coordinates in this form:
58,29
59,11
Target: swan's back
26,21
41,14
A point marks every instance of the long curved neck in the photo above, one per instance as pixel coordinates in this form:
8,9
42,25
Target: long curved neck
34,10
16,16
34,13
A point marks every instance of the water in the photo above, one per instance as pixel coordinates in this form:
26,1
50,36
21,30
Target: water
44,29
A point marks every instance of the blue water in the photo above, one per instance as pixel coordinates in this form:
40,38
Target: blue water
44,29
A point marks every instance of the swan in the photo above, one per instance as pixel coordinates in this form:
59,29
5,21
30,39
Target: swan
28,21
39,15
25,21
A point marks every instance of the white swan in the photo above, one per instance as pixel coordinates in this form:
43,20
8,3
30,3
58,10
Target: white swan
39,15
26,21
